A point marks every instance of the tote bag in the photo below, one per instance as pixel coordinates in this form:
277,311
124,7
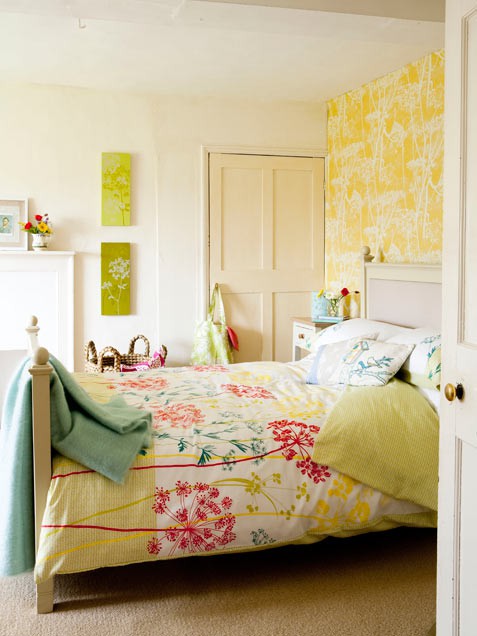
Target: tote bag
211,340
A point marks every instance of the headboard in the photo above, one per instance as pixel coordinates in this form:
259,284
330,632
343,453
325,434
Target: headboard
404,294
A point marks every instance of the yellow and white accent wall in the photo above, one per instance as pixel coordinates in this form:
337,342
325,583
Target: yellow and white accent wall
385,169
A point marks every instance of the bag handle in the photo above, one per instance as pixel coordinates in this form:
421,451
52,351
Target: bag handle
109,352
133,342
90,353
216,299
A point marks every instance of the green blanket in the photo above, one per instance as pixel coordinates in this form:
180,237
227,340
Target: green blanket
386,437
103,437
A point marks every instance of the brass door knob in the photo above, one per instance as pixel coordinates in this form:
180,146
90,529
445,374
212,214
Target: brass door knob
452,392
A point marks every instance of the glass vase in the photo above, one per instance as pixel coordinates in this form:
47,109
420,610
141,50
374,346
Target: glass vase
333,307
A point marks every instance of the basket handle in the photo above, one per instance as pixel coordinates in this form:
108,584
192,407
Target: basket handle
109,352
90,353
146,345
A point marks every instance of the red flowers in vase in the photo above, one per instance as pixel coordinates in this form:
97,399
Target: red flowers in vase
334,299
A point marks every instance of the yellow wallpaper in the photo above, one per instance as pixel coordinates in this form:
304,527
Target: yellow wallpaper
385,162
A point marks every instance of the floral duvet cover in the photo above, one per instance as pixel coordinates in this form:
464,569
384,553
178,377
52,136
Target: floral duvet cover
230,470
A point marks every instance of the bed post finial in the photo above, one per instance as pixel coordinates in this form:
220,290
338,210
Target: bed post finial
32,330
40,356
366,257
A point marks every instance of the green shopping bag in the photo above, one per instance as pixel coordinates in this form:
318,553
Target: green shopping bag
211,340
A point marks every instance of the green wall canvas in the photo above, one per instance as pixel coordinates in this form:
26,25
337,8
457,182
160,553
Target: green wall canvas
116,188
115,279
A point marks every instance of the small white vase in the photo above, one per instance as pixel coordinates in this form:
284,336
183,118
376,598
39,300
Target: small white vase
40,241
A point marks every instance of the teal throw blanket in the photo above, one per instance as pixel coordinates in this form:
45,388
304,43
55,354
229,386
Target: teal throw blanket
103,437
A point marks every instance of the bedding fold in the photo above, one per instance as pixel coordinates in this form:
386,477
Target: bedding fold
386,437
103,437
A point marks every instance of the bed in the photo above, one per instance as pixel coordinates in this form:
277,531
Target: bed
256,455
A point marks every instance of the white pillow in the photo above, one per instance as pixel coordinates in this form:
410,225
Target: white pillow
423,367
355,327
370,363
328,358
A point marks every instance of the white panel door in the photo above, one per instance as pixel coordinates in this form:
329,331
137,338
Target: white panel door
457,551
266,246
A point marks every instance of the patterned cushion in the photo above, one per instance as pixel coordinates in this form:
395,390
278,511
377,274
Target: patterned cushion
433,366
358,362
423,367
329,356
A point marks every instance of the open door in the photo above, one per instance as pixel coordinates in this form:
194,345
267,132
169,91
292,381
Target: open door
457,533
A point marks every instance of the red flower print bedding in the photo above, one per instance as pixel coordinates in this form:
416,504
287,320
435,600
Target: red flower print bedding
231,469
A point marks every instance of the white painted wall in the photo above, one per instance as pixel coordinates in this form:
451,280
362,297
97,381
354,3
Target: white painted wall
51,144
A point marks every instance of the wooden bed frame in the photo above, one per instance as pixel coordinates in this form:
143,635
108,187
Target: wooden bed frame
41,432
381,285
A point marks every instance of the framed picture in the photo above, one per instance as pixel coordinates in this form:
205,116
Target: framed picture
115,279
116,188
12,213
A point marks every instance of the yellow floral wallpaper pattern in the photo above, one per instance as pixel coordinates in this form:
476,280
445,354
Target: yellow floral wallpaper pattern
385,164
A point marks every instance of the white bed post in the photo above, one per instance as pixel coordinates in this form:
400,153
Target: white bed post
40,372
366,257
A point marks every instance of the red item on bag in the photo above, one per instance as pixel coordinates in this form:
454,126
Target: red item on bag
233,338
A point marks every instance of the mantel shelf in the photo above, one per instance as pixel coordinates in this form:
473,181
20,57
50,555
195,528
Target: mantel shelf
35,253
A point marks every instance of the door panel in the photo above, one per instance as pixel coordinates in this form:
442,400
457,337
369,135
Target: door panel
293,242
266,223
457,552
468,553
469,220
467,306
241,220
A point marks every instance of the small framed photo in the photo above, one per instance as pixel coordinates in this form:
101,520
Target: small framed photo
12,213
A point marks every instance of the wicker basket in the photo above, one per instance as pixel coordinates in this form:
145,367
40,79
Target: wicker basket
109,358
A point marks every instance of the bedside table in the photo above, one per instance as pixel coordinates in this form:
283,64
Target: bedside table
303,330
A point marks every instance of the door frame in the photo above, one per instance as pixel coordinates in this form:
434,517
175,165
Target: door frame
203,282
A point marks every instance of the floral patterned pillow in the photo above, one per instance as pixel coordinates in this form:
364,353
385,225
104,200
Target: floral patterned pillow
433,364
371,363
329,356
423,367
361,361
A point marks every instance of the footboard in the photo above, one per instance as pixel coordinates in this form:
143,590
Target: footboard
40,372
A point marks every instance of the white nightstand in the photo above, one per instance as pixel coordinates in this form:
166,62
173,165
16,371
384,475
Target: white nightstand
303,331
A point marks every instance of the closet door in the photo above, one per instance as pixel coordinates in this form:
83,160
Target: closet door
266,246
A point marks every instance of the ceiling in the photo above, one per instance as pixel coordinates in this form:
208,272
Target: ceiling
263,49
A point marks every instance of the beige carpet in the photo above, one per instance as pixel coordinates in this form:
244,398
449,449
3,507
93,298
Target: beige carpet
374,585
